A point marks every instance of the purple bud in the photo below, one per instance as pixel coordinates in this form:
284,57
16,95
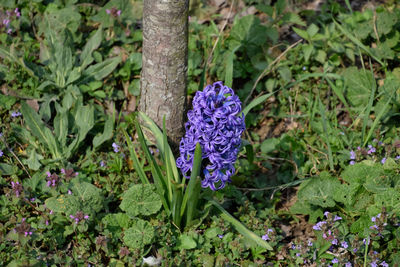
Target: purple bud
72,216
220,236
334,241
86,217
108,11
119,13
326,214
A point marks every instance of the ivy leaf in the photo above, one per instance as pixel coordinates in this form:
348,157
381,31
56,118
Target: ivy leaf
140,234
140,199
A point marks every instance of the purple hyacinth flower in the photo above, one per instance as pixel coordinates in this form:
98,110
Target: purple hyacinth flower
216,123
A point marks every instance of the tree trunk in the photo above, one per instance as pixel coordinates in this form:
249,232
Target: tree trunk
165,50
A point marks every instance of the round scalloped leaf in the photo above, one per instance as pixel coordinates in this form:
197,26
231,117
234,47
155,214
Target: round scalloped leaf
140,234
140,200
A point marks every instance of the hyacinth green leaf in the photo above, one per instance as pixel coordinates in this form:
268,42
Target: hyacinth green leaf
158,135
193,189
155,169
139,235
140,199
241,228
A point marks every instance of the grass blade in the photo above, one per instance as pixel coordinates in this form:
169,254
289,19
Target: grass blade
255,102
136,164
241,228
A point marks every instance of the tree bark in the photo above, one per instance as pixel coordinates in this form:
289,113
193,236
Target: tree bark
164,68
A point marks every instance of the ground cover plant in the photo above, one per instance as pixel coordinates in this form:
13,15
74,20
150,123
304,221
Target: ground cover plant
307,173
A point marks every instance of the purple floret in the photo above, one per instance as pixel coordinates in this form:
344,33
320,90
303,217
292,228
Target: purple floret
216,122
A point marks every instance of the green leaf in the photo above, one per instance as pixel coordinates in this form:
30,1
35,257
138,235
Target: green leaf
248,29
319,191
88,195
92,44
33,160
186,242
359,84
140,234
7,101
307,50
136,61
107,133
116,222
6,169
255,102
241,228
269,145
84,119
385,21
229,67
61,125
39,130
102,69
312,30
140,199
63,203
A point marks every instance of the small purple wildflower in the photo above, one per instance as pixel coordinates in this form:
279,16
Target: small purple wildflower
216,123
51,212
374,227
17,187
17,13
293,246
397,157
335,261
371,149
374,264
221,236
326,214
344,244
337,218
373,219
102,164
69,192
318,226
265,237
334,241
1,153
270,230
383,160
379,215
108,11
309,243
355,250
352,155
115,147
298,254
15,114
79,216
348,264
384,264
365,241
352,162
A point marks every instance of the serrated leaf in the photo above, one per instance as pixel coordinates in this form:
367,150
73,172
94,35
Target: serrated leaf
319,191
140,234
140,199
361,172
89,196
385,22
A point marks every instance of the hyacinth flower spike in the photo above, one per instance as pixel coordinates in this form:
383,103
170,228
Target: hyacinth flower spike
208,152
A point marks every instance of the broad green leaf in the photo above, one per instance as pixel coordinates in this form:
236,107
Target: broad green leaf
186,242
102,69
89,196
66,204
39,130
139,235
303,34
140,199
84,119
107,133
312,30
61,125
361,172
390,199
385,21
92,44
6,169
269,145
116,222
33,160
248,29
319,191
359,84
